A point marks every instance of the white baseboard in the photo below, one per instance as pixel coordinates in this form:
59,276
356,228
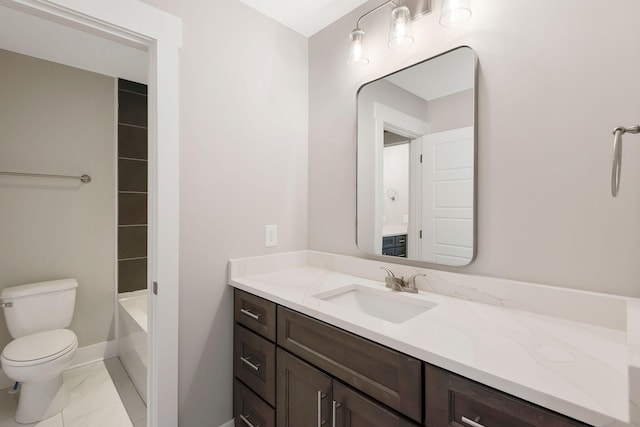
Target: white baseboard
228,424
84,356
94,353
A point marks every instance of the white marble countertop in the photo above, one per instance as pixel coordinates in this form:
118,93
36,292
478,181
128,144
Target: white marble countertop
574,368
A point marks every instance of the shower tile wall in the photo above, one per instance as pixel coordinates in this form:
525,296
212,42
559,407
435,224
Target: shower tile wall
132,186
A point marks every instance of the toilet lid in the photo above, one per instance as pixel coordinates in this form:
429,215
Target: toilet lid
40,347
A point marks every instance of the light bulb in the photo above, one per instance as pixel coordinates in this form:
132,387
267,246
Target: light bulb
400,33
357,56
455,12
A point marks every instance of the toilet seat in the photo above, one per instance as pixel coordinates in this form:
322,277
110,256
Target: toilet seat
39,348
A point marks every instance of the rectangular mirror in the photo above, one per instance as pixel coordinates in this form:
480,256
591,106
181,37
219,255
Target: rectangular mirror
416,195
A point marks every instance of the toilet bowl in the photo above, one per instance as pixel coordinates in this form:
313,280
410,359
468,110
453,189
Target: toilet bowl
37,315
37,361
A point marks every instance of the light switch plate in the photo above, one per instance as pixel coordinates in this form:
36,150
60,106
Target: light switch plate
270,235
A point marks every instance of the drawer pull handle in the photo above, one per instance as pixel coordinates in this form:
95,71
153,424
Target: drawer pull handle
250,314
472,423
247,422
246,361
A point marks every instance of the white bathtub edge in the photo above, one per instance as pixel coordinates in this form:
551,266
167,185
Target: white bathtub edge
84,356
228,423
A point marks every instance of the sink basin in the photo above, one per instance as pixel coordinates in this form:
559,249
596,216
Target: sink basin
386,305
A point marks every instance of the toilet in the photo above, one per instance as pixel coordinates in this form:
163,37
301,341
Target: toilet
37,315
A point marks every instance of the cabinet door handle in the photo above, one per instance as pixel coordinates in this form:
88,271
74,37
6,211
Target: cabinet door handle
334,408
472,423
250,314
247,422
246,361
320,397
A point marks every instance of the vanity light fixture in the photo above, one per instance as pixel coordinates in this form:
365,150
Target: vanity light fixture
400,33
357,56
454,12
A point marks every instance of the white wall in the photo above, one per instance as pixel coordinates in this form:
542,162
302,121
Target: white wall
396,176
60,120
554,79
243,161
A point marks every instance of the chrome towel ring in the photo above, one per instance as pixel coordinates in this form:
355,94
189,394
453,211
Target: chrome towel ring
617,156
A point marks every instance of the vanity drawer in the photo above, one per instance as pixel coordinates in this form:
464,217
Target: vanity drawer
384,374
255,313
254,363
454,401
249,409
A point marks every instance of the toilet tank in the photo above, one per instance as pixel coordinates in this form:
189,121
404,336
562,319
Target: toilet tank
38,307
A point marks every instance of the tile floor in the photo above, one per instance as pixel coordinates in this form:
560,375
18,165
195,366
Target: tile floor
102,395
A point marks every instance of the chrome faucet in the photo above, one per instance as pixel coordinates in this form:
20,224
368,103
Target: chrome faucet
399,283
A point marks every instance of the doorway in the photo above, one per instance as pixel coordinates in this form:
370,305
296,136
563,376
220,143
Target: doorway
136,25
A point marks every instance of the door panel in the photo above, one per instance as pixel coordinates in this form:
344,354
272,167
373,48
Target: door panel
302,390
446,186
356,410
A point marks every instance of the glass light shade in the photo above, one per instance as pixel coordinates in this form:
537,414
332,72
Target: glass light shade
357,55
400,33
455,12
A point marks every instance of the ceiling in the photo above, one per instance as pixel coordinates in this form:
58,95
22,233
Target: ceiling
443,75
306,17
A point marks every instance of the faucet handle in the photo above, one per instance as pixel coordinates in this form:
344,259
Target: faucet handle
391,281
410,283
389,272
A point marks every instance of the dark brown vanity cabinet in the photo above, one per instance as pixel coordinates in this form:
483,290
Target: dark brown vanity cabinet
386,375
249,410
304,394
451,400
395,245
316,374
309,397
294,371
256,314
254,361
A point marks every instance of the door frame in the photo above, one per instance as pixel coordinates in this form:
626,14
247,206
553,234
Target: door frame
142,26
387,118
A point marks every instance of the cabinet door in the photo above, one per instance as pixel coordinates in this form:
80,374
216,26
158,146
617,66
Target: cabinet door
303,394
454,401
353,409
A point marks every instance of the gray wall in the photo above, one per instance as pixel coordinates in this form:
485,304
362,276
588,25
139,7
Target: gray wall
451,112
243,160
57,119
555,79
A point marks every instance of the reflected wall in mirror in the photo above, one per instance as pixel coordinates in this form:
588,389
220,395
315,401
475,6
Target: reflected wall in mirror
416,161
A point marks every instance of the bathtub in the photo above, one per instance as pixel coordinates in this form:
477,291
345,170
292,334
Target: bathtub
132,338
